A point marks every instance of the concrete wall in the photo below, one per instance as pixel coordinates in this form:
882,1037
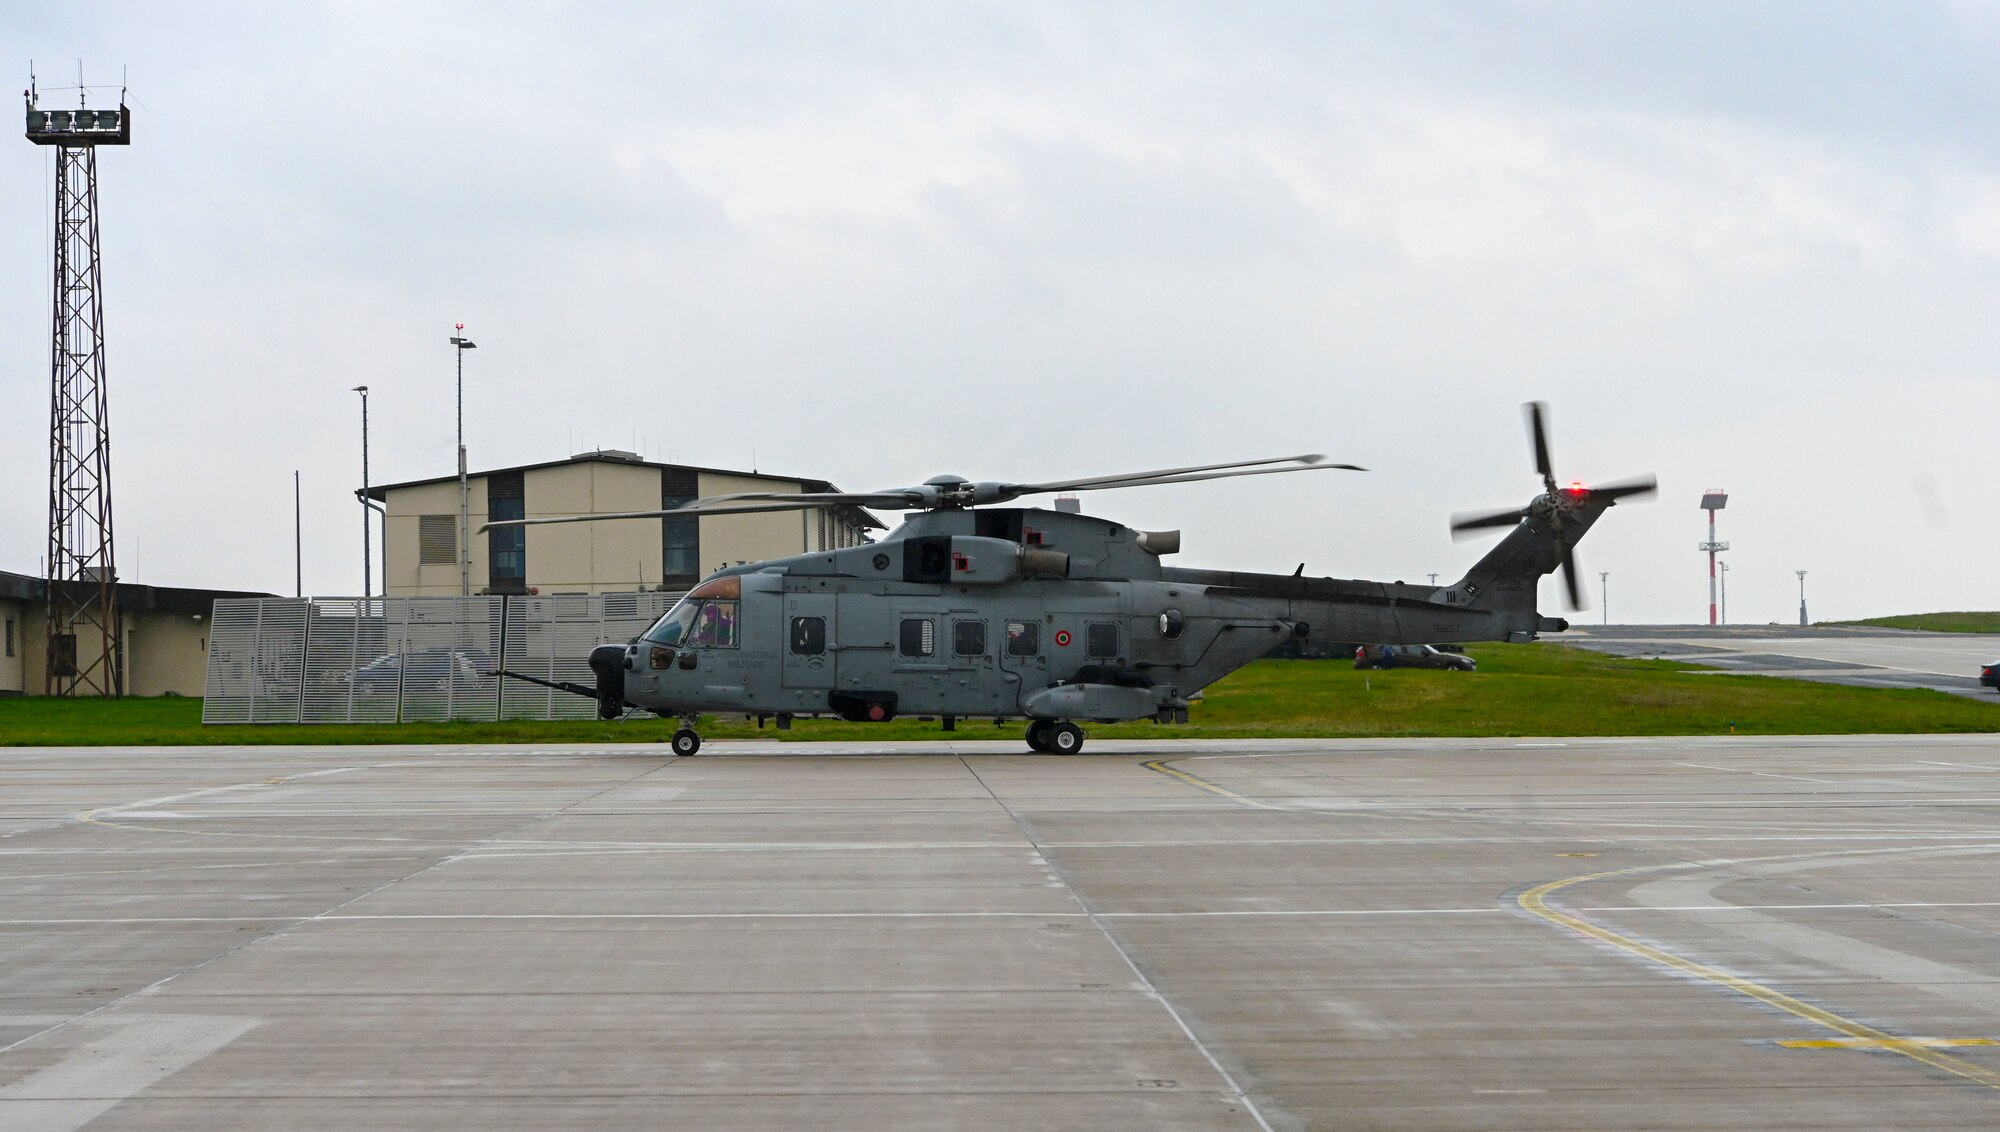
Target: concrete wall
617,555
406,576
165,653
729,539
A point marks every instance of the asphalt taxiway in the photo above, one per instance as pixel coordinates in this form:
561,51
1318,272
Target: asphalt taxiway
1641,933
1834,654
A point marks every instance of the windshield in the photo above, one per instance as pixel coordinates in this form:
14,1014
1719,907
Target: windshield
669,630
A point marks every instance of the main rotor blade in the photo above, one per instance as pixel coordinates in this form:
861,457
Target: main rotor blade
1166,475
1150,481
1619,489
748,508
1473,520
1538,431
891,499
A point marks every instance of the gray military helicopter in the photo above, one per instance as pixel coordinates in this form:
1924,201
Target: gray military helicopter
973,610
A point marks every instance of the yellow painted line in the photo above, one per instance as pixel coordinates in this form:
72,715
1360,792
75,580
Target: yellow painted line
1535,901
1161,766
1927,1043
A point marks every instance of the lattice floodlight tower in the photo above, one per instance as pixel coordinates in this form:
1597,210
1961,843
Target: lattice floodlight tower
1715,499
85,656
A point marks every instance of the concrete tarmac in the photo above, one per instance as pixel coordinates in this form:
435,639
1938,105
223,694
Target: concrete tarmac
1835,654
1712,933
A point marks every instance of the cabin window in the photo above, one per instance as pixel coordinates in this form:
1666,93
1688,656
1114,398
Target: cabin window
670,629
919,637
968,638
808,636
714,626
1100,640
1024,638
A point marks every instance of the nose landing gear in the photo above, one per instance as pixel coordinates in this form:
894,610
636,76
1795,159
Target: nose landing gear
1054,738
686,740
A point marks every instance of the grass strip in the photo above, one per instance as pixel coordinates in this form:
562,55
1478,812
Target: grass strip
1542,690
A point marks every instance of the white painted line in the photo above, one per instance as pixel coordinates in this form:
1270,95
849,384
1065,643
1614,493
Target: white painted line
125,1055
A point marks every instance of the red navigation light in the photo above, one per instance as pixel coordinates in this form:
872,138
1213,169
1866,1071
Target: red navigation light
1576,487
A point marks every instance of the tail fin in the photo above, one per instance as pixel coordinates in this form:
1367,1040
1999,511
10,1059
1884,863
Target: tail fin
1508,578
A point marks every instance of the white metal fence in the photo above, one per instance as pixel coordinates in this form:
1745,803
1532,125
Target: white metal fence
403,659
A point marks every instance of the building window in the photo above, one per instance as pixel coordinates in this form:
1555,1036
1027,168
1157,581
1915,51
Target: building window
10,636
1024,638
506,547
968,638
437,540
680,536
919,637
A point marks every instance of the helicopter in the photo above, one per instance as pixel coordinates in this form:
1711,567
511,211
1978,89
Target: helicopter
976,610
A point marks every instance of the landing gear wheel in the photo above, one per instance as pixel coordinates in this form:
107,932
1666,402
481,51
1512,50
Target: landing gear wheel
686,742
1038,736
1065,739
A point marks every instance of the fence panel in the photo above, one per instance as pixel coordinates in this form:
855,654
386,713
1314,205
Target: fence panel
380,660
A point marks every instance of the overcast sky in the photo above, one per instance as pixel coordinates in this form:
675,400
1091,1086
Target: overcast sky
1746,246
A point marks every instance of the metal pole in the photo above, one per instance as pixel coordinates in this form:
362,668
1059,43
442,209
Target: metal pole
1711,566
464,492
1802,597
298,541
1604,598
461,344
367,518
1725,593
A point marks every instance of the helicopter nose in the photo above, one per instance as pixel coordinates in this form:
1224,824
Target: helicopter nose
608,662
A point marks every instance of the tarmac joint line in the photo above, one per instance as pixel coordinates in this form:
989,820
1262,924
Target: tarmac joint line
1853,1034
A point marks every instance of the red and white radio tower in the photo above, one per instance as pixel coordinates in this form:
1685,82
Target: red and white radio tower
1715,499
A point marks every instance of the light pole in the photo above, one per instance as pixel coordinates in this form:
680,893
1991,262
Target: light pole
1725,591
460,345
1802,596
367,520
1604,593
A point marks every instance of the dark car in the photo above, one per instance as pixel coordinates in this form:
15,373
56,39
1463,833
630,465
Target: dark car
1411,656
1989,675
430,669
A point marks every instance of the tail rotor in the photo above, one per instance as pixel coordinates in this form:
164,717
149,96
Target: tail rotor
1555,504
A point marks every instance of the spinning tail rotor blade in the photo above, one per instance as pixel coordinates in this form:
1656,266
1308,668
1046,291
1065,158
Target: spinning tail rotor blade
1641,485
1538,431
1472,520
1569,575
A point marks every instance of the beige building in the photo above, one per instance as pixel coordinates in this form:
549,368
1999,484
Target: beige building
421,539
164,636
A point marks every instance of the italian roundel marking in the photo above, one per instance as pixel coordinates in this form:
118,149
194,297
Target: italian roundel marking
1062,638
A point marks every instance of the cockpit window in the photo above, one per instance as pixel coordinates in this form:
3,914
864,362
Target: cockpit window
672,628
715,626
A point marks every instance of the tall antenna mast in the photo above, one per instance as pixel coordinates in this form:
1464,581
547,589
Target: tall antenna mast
85,653
1715,499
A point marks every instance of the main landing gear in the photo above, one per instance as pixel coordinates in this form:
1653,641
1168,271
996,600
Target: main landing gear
1053,738
686,741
